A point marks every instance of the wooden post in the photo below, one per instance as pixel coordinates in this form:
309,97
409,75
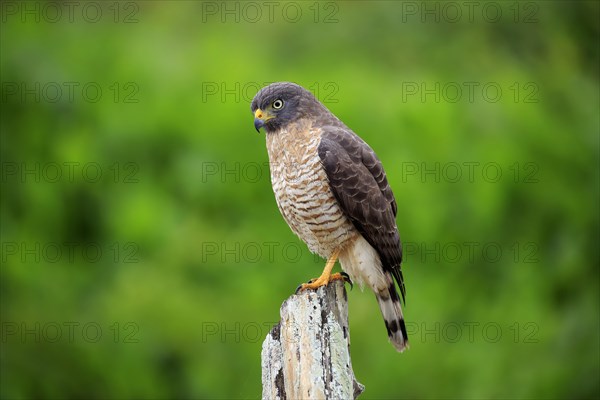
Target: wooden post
307,354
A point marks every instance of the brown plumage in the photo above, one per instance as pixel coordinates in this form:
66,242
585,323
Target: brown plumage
333,192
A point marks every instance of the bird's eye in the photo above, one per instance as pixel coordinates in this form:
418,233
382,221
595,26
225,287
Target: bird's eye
278,104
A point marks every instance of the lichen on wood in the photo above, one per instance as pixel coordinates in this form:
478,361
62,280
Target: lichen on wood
307,354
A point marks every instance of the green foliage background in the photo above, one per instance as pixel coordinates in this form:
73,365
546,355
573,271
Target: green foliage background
184,173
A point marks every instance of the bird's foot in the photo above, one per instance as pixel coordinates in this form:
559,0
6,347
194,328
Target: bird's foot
324,280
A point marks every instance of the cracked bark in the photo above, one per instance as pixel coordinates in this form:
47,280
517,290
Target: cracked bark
307,354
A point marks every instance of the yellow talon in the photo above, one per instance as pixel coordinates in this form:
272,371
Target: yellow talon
325,277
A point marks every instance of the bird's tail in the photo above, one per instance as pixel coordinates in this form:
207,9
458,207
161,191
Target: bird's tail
389,303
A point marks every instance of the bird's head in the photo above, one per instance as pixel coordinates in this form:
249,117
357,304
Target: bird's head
281,103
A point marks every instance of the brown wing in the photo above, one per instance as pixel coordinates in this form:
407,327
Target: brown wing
359,184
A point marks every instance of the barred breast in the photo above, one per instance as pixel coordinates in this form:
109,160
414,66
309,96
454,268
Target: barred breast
302,190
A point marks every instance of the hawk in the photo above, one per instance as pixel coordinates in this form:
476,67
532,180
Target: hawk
332,191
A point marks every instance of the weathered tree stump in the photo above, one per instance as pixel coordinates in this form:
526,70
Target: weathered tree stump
307,354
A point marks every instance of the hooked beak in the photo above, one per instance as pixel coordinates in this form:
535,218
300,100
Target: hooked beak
258,123
260,119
